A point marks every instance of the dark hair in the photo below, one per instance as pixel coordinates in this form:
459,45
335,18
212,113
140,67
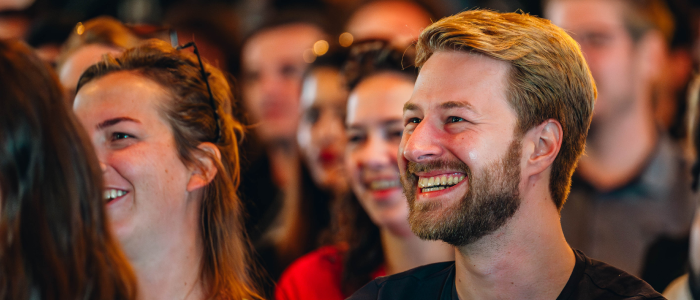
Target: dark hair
55,241
353,225
370,57
226,263
335,58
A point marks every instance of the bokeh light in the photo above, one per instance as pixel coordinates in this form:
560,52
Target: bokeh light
320,47
345,39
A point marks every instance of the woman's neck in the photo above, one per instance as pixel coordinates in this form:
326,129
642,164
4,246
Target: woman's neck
169,267
407,251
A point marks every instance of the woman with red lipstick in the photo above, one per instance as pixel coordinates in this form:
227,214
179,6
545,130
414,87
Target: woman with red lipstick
304,221
372,222
161,123
54,239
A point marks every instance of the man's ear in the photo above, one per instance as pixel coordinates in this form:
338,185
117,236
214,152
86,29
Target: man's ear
547,143
204,171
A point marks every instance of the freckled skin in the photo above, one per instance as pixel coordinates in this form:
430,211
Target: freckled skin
139,157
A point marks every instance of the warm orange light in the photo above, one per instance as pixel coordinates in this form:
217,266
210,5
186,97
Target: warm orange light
79,28
320,47
345,39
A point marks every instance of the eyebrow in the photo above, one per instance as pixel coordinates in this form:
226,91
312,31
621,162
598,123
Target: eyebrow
445,105
456,104
410,106
112,122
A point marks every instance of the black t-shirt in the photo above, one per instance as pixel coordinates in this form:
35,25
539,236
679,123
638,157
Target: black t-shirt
591,279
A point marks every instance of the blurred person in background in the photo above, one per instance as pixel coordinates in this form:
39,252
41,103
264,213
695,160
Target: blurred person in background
55,242
301,224
687,286
397,21
272,65
321,132
214,26
670,95
631,188
47,35
373,234
162,126
86,45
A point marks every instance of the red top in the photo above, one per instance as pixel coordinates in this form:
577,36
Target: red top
315,276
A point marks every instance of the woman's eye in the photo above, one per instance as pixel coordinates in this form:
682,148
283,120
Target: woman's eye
120,136
312,116
353,138
454,119
396,134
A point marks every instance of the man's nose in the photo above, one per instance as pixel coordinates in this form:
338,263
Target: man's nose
422,144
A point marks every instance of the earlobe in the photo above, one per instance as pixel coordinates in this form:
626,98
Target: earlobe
549,139
204,171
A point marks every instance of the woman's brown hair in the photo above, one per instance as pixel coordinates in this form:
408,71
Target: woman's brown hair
226,264
54,238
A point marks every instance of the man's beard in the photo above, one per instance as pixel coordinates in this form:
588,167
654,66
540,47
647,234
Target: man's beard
491,200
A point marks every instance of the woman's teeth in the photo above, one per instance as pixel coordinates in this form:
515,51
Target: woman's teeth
112,194
384,184
436,183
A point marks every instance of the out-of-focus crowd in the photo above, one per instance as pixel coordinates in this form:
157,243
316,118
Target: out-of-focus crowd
277,160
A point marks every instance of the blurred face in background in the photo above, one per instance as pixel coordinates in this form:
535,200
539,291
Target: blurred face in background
598,26
399,22
374,128
321,133
74,66
273,64
146,183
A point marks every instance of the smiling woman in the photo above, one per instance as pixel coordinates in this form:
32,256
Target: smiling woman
54,239
372,224
167,143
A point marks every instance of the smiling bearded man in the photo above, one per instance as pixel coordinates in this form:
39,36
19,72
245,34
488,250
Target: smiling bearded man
490,201
494,128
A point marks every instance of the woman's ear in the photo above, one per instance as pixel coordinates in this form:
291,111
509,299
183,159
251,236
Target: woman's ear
204,171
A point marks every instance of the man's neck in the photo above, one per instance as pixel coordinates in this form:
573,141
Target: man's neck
617,150
527,258
406,251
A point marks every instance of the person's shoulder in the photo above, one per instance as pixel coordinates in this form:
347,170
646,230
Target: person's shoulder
608,282
327,259
425,282
315,275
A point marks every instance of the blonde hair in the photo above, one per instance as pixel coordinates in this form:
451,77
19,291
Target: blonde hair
548,78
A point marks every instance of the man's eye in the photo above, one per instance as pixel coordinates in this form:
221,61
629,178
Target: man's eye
414,120
120,136
454,119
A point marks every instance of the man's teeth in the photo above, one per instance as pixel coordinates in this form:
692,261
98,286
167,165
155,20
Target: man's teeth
436,183
112,193
384,184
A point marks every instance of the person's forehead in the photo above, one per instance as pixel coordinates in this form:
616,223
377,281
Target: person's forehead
323,87
379,97
108,95
585,14
384,17
283,42
462,77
